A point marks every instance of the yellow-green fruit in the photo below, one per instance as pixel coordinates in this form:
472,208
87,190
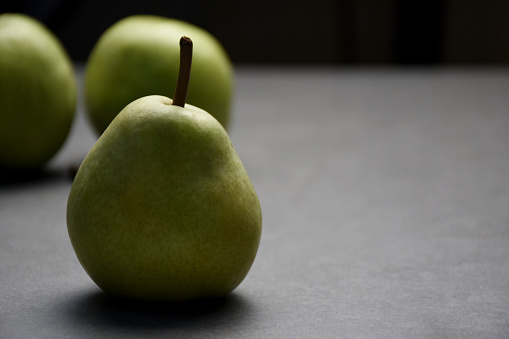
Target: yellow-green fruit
162,207
139,56
37,93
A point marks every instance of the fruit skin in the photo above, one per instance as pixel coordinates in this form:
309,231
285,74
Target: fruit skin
37,93
139,56
162,207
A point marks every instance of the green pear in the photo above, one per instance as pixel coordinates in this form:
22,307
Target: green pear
162,208
137,57
37,93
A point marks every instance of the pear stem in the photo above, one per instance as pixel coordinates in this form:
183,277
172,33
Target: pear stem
186,57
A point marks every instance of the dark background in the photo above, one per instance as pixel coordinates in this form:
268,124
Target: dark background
349,32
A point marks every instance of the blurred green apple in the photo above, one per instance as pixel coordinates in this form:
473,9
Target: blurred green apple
37,93
139,56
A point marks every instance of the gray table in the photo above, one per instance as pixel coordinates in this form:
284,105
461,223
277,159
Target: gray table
385,196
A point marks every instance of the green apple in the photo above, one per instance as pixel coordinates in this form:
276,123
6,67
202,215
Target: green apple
138,56
37,93
162,208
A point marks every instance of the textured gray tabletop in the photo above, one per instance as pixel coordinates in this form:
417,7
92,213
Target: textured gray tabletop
385,196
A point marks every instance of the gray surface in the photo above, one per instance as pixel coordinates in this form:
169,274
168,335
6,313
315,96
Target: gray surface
386,214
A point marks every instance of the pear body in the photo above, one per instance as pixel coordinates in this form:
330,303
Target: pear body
139,56
37,93
162,207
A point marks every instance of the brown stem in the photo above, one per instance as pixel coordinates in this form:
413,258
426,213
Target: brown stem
186,56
